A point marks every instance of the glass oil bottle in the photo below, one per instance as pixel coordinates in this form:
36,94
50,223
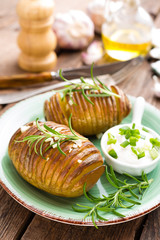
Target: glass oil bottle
126,33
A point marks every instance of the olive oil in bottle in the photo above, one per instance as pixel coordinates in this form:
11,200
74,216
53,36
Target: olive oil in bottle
127,33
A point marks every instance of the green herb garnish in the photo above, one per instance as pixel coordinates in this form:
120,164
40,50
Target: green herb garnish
126,195
134,150
113,153
140,154
49,133
133,126
153,153
145,129
133,140
124,144
155,142
111,139
128,132
131,134
94,89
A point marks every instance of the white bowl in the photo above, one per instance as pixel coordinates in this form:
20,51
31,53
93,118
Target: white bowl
123,167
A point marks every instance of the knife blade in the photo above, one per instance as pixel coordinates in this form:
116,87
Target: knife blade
85,71
26,79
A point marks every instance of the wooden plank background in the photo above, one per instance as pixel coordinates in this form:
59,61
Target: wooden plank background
16,222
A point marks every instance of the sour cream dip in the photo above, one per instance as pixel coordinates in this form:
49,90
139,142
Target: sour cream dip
127,154
131,148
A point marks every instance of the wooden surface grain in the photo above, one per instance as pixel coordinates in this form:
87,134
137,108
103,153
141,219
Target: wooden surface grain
16,222
152,226
46,229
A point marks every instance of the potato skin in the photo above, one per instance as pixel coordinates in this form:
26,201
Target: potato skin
59,175
88,119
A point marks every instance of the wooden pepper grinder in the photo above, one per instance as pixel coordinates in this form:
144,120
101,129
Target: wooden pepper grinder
36,38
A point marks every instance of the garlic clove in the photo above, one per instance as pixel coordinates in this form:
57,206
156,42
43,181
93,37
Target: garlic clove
74,29
156,67
156,37
93,53
156,87
155,53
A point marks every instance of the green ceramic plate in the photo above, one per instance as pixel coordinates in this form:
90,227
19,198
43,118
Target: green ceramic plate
58,208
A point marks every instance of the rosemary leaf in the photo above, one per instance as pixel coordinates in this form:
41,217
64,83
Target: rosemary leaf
118,214
85,194
130,176
59,148
85,96
129,200
51,130
80,210
114,176
133,194
100,217
93,219
110,180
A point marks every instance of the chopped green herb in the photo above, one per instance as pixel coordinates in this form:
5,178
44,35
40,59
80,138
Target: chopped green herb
132,135
153,153
128,132
111,139
133,126
124,144
113,153
140,150
143,137
145,129
155,142
141,155
132,141
134,151
124,130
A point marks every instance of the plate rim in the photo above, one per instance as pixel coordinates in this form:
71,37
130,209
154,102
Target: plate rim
72,221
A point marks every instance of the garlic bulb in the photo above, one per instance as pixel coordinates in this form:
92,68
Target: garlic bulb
93,53
97,11
74,29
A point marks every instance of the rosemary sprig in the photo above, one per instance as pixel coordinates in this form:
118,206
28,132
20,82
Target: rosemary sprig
95,89
50,134
125,196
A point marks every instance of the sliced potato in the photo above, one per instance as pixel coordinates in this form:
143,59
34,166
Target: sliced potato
58,174
88,119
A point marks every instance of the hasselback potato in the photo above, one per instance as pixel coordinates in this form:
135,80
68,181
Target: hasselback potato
87,118
42,164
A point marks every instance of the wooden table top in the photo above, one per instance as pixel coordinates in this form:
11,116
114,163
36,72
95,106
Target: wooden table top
16,222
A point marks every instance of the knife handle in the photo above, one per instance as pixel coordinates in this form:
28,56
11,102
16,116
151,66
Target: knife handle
25,79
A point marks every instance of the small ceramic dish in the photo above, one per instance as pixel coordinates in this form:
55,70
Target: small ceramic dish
128,167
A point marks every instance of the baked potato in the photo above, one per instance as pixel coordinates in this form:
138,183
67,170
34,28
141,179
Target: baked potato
88,119
39,161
